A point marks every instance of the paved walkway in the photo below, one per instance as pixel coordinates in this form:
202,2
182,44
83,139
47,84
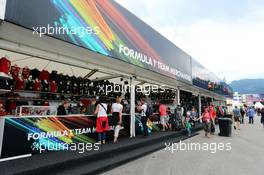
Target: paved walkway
245,158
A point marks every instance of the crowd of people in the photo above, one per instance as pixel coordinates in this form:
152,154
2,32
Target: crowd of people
101,110
251,112
173,117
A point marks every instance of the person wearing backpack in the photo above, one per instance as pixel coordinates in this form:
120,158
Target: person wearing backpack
143,108
101,121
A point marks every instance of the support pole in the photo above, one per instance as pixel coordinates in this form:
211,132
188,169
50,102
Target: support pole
199,105
178,96
132,109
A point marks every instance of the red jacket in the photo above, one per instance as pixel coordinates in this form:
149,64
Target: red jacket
44,75
5,65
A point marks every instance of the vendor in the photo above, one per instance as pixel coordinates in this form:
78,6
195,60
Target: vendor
62,109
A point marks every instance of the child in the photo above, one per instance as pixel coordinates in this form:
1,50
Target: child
188,128
188,125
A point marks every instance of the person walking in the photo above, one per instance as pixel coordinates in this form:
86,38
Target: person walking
213,116
206,118
116,111
262,117
242,112
101,121
193,116
164,118
251,114
237,117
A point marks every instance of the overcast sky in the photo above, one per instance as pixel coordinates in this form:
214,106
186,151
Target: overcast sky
226,36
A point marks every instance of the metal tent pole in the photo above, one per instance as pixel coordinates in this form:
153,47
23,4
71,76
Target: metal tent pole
132,109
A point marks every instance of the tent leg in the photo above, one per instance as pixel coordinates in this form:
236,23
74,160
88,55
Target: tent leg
132,109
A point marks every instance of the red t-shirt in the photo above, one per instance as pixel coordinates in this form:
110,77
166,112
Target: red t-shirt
44,75
36,86
53,87
15,71
206,117
19,83
213,113
163,110
5,65
26,73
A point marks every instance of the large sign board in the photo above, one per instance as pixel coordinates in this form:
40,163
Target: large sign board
104,27
33,135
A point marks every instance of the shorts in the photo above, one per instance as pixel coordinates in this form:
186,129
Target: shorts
164,119
237,119
207,127
102,124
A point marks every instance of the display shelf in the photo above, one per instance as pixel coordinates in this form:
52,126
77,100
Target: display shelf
4,91
4,77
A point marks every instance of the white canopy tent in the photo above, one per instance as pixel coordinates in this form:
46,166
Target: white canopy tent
25,49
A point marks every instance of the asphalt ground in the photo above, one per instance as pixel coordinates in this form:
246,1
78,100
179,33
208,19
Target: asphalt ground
241,154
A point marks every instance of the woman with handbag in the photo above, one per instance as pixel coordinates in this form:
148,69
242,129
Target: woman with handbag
101,121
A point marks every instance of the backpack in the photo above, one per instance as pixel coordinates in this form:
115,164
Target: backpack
149,111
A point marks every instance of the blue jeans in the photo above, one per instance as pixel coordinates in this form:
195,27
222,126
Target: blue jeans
101,136
251,120
144,124
189,131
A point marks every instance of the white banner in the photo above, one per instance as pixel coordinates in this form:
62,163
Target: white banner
2,9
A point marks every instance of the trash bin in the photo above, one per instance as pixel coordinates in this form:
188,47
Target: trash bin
225,126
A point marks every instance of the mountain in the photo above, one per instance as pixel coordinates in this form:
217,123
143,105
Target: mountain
248,86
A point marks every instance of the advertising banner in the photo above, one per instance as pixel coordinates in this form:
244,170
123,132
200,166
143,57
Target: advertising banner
104,27
205,79
34,135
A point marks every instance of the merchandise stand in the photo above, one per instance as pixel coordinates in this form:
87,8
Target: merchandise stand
126,52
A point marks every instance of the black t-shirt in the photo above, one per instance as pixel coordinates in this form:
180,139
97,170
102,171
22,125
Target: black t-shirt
35,74
61,110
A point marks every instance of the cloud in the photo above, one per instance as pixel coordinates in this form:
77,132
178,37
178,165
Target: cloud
230,47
